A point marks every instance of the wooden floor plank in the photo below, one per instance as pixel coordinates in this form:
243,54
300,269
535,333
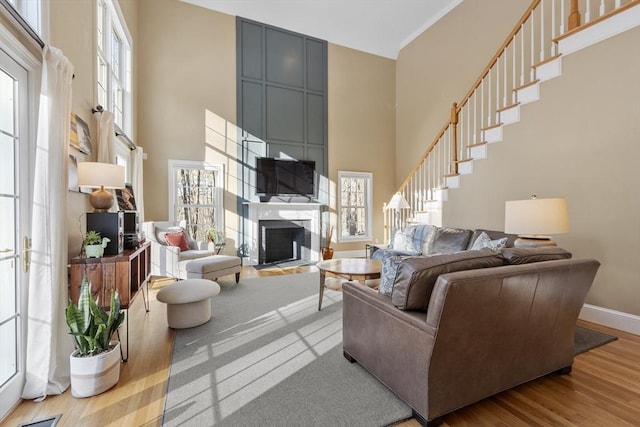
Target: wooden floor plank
602,390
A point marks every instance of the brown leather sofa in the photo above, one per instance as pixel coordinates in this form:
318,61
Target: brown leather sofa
484,331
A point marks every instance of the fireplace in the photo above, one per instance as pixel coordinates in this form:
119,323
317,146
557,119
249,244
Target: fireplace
282,240
284,222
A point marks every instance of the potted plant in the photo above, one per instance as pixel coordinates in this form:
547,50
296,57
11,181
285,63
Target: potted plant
213,235
94,244
327,250
95,364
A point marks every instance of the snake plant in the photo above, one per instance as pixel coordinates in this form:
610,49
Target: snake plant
90,325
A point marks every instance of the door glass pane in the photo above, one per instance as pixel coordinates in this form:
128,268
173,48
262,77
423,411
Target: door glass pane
7,230
7,115
6,165
7,290
8,358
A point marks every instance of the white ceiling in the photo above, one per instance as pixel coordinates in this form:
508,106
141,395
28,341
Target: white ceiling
381,27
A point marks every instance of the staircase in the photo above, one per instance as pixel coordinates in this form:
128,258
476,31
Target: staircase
532,53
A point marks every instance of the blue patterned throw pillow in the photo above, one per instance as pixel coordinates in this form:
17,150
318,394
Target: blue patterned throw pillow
388,273
484,241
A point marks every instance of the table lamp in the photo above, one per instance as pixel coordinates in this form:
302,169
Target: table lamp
101,176
396,203
534,219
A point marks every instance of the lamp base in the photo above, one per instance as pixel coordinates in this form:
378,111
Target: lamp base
533,242
101,200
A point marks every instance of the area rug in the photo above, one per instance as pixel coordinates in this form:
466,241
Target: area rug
268,357
587,339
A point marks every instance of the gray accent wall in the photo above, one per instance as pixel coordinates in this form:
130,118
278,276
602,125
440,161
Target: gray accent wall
282,97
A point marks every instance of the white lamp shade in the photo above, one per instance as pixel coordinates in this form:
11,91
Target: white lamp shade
536,217
96,175
398,202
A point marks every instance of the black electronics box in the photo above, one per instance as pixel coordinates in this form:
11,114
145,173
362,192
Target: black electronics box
111,225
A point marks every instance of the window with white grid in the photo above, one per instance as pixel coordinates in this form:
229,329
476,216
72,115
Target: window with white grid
113,82
354,211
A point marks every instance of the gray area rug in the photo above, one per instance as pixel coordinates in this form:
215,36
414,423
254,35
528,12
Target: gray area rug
269,358
587,339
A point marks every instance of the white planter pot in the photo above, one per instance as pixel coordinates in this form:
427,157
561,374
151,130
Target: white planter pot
93,375
94,251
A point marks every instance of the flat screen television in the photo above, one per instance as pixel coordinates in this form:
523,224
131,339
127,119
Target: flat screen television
284,177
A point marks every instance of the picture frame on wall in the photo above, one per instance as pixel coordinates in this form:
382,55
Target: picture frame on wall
80,137
126,199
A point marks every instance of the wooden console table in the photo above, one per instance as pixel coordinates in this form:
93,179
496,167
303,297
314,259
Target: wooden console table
127,272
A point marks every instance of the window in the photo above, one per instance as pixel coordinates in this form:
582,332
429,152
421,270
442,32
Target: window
195,196
354,189
31,11
114,62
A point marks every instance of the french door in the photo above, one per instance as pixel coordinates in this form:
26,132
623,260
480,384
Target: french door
14,227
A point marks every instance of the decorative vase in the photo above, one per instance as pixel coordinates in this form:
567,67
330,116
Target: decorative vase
327,253
94,251
91,375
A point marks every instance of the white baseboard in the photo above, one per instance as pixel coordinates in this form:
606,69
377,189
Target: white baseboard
611,318
350,254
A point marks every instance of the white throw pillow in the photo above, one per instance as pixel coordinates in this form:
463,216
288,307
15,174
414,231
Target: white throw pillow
484,241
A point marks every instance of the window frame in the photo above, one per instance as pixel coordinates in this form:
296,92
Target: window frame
175,165
368,217
113,87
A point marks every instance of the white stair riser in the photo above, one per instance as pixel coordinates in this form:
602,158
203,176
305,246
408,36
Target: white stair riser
492,135
478,152
453,181
549,70
510,115
528,94
465,168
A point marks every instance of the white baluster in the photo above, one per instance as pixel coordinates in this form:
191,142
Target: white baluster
513,77
617,4
587,15
497,67
489,92
562,17
542,31
522,54
601,7
504,92
533,48
553,27
481,102
475,114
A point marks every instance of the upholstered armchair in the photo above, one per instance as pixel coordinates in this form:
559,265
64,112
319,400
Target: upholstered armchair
164,257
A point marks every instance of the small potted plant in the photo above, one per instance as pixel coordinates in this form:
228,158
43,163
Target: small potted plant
95,364
94,244
213,235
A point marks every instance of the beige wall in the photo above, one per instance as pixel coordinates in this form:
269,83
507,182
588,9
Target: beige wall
580,141
187,104
361,126
438,68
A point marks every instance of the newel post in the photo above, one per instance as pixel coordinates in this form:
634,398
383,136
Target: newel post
574,15
454,138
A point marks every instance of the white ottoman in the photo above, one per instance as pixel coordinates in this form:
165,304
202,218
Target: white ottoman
188,302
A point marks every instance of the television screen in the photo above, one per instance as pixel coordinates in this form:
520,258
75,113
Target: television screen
284,177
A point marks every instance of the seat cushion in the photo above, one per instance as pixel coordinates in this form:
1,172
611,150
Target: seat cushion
211,264
416,276
188,291
194,254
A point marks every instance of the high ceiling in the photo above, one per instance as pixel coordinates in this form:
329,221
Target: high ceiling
381,27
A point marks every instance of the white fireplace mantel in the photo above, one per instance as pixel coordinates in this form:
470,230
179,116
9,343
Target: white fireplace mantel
282,211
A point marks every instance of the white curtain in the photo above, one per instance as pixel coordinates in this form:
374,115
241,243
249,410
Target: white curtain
48,341
106,137
136,182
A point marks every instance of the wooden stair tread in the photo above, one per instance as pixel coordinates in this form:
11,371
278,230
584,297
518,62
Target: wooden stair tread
451,175
526,85
499,110
549,59
477,144
465,160
492,127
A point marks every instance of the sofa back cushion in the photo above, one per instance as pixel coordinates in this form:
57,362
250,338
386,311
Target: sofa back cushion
448,240
416,276
528,255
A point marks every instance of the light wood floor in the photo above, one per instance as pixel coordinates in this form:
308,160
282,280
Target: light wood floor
602,390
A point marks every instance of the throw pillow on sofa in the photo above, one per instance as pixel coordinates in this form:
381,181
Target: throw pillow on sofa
484,241
388,273
528,255
177,239
416,276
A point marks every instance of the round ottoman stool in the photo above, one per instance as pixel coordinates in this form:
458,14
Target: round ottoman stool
188,302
